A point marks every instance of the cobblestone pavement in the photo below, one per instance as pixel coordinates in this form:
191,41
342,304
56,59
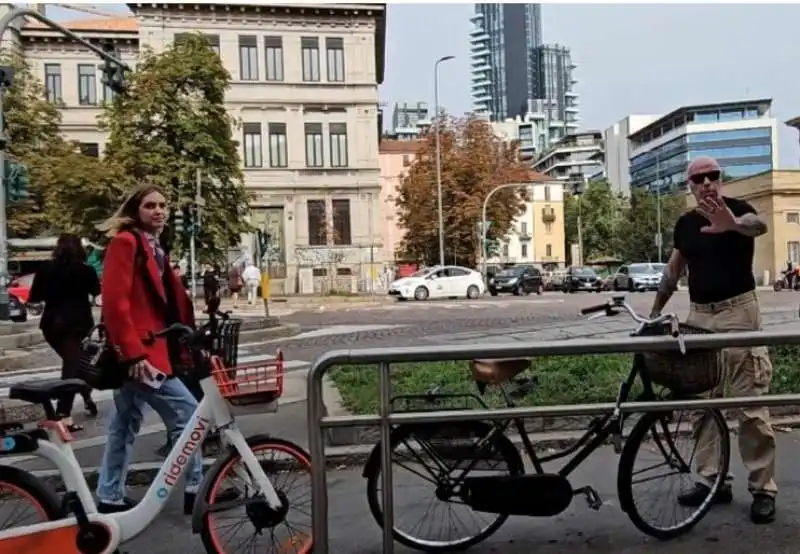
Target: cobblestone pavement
414,323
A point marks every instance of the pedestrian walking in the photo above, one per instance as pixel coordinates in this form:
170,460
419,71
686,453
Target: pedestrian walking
67,286
210,284
141,296
716,242
252,278
235,283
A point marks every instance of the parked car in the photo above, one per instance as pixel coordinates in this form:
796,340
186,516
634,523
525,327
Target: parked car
21,287
581,279
521,279
439,282
639,277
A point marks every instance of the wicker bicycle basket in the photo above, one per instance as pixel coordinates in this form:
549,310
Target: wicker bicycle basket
695,372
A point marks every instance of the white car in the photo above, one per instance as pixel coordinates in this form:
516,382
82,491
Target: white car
439,282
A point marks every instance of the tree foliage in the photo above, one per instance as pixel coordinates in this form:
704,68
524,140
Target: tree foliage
636,236
619,228
473,162
172,122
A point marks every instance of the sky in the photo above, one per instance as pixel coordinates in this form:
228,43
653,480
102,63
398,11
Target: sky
631,59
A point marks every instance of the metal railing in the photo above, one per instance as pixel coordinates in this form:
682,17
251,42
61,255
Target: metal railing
384,357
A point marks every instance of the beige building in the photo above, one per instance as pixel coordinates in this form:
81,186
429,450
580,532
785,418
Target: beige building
776,196
396,159
305,89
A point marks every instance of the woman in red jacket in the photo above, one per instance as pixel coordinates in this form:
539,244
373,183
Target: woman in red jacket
142,295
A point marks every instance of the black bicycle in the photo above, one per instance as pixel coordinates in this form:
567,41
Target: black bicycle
455,457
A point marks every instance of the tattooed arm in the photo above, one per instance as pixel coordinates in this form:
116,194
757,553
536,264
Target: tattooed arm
669,282
751,225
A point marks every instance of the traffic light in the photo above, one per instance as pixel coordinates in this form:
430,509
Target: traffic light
113,74
16,181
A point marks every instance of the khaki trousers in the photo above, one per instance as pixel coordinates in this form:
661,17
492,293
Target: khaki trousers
747,372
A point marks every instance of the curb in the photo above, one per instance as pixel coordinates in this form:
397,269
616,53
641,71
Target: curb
11,358
341,457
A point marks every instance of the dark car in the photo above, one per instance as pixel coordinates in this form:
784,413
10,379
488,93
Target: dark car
518,280
582,279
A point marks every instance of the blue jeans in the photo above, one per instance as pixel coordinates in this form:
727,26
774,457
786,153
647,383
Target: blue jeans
174,403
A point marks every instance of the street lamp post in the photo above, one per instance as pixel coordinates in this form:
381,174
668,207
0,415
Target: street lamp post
439,153
113,63
579,184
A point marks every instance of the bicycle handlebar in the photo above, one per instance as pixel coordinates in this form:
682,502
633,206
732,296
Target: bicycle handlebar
613,304
193,337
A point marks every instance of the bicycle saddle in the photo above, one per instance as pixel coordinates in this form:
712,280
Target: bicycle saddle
41,391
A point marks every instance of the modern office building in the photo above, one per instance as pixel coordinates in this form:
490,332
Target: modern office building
305,87
503,72
742,136
553,80
409,120
575,154
617,155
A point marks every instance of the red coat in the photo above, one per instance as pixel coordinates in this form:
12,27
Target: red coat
133,307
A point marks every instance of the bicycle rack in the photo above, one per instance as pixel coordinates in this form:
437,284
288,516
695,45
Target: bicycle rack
385,419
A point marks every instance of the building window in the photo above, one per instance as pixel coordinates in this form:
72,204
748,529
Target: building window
505,251
317,233
252,145
548,228
310,47
87,85
546,193
548,250
792,217
273,48
314,157
108,93
335,51
248,58
213,40
341,222
52,82
793,251
523,228
524,251
338,144
277,145
91,149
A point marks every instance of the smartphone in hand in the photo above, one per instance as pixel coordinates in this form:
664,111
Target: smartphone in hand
153,378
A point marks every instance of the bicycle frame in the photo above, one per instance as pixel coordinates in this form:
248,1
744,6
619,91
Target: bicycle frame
59,536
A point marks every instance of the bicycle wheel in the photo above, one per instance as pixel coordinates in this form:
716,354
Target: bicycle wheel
661,432
444,451
280,530
19,488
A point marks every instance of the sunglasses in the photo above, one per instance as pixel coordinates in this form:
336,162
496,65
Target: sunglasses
700,178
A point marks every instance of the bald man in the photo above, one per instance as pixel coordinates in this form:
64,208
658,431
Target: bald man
716,242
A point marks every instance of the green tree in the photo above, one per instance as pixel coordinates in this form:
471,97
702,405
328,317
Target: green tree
32,127
599,210
171,122
636,236
474,162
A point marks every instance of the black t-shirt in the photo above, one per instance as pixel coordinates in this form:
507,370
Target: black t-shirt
720,266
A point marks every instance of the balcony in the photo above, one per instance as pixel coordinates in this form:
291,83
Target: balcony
548,214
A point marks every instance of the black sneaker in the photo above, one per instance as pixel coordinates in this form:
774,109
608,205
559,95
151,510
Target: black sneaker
762,510
695,497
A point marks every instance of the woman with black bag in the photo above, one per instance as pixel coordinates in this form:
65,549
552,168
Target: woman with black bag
65,285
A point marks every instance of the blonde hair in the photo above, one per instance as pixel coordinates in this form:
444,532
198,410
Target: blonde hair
127,215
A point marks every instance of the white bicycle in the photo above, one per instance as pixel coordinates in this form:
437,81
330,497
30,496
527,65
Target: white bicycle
74,525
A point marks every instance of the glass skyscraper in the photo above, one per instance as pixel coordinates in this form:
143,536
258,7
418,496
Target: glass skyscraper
503,66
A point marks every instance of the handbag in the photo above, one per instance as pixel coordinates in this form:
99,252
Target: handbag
100,365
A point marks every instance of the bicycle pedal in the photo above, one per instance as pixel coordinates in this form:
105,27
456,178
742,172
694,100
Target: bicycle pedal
592,498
